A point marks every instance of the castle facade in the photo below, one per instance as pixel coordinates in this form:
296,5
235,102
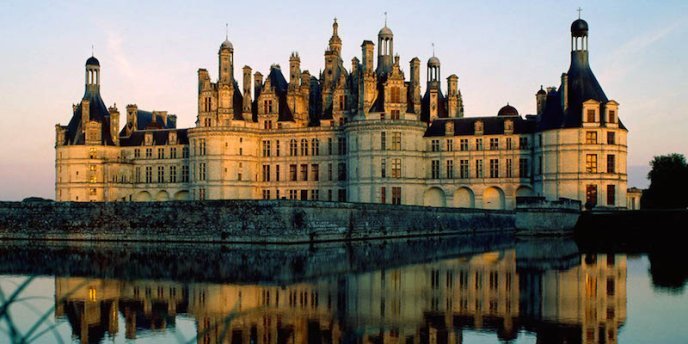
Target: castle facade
368,133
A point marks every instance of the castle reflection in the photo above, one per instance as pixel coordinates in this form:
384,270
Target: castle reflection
577,299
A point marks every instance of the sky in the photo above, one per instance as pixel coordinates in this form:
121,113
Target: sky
502,52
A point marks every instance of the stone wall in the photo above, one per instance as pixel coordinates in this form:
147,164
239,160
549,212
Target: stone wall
249,221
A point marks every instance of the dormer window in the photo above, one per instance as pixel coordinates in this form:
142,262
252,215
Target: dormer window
508,126
449,128
612,116
590,116
478,127
172,138
148,139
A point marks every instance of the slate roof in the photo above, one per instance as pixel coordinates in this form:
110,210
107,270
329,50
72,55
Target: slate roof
97,112
493,125
160,137
425,105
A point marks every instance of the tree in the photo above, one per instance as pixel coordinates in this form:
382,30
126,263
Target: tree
668,183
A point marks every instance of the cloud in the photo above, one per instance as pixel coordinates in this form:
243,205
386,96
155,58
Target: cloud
118,55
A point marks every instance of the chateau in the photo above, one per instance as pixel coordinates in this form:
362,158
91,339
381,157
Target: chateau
369,133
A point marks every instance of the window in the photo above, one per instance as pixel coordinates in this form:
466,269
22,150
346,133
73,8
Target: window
479,144
149,153
396,195
137,177
277,173
304,147
383,141
315,171
450,145
435,145
304,172
266,173
591,116
450,169
329,172
277,148
137,153
185,152
173,152
315,194
591,163
463,169
383,195
161,174
611,194
383,168
540,140
435,169
341,194
201,171
329,146
611,163
611,138
494,143
315,147
396,168
591,194
612,116
523,168
509,168
591,137
266,148
292,194
342,146
185,174
396,140
396,114
395,95
293,149
266,194
479,168
149,174
292,172
463,143
494,168
201,147
540,164
341,103
341,169
523,142
201,193
267,106
508,143
173,174
161,153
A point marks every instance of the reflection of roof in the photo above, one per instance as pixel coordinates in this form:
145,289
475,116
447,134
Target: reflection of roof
491,126
160,137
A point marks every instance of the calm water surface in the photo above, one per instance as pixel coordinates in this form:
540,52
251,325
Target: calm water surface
449,290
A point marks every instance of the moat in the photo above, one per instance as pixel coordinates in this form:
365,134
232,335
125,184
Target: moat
452,289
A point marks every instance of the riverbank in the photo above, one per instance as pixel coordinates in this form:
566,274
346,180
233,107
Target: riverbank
240,221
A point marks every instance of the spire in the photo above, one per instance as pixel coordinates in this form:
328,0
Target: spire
335,42
579,12
92,51
385,18
433,49
226,31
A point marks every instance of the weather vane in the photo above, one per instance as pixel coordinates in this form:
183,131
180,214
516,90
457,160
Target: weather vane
433,49
92,50
579,12
226,31
385,18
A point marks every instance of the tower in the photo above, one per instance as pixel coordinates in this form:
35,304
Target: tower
226,62
335,42
385,49
92,75
295,69
414,89
246,106
540,99
433,90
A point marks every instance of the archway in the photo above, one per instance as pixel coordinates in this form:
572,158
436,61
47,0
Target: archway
143,196
434,197
162,196
182,195
524,191
493,198
464,198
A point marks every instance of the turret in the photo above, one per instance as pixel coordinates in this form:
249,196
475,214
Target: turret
92,75
246,106
385,49
295,69
226,62
540,100
453,106
114,124
335,42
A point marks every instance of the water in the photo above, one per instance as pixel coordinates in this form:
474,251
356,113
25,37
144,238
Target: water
485,289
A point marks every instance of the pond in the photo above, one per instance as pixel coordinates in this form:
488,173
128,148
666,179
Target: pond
465,289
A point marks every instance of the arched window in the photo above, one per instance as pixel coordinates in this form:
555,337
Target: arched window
293,150
304,147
